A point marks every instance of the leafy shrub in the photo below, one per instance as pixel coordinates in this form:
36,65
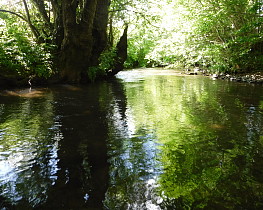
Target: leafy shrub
19,54
107,59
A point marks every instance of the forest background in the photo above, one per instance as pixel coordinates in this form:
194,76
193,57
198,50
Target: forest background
79,40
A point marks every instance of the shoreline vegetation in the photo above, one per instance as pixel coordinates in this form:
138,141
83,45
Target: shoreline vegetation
245,77
248,77
80,41
15,81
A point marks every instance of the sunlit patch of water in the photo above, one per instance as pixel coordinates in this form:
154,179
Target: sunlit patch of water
28,156
144,141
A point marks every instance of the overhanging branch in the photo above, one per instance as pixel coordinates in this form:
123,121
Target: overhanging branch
14,13
28,21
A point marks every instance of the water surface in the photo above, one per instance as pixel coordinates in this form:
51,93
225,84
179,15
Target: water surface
151,139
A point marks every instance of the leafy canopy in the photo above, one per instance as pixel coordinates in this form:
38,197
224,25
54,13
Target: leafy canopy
218,35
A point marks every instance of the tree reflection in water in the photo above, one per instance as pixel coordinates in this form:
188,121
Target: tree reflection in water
28,154
53,149
210,136
144,141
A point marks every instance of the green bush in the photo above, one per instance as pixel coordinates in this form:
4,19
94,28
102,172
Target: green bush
19,54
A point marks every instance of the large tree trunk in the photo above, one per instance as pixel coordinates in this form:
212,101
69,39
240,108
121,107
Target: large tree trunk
99,31
77,41
78,31
84,39
58,30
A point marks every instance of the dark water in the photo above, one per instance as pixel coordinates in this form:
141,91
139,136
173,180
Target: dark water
147,140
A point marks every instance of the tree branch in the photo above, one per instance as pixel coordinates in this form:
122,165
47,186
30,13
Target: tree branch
14,13
32,27
142,14
42,10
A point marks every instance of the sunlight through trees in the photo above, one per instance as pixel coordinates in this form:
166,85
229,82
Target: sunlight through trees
39,39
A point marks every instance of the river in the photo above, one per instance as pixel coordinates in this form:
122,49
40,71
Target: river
149,139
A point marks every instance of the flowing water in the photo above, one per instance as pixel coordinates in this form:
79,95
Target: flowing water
149,139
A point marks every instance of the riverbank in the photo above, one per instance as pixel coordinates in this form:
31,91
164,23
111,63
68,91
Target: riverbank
16,81
249,77
255,77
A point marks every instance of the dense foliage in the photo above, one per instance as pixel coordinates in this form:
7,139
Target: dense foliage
218,35
19,54
221,35
69,35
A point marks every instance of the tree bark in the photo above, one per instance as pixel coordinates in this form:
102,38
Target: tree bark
99,31
79,31
58,31
121,54
77,41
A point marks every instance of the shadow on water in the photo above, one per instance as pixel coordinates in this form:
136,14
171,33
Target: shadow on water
83,154
68,143
147,140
